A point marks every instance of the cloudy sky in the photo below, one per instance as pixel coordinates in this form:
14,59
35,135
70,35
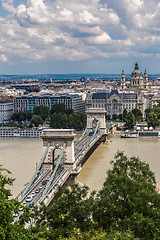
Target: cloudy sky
79,36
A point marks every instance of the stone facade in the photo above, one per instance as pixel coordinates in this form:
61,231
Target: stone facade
57,138
115,102
137,81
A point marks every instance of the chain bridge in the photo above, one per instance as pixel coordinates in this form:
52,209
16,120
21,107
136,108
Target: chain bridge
63,158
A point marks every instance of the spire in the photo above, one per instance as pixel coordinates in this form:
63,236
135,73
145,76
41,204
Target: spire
123,84
145,79
136,66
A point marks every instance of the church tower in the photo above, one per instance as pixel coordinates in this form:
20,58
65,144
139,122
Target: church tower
136,80
123,80
145,81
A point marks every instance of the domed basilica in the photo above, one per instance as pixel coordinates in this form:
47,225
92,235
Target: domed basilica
137,81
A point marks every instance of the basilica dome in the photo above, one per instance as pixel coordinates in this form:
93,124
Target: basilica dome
136,72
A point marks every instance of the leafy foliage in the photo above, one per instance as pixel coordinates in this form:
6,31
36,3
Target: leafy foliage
127,207
130,120
74,210
21,116
60,108
42,111
124,115
153,116
76,121
128,200
138,114
36,120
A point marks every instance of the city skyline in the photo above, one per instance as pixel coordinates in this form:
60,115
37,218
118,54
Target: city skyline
97,36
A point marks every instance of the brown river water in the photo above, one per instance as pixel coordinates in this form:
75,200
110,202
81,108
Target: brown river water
20,155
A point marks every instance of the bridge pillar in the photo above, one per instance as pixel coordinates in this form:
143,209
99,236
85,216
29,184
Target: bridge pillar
97,114
57,138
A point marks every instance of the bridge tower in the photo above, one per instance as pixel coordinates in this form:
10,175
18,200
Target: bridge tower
57,138
96,114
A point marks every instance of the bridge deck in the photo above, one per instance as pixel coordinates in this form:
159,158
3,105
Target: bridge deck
47,178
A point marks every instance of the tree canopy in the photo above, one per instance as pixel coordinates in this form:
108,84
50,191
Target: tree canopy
36,120
127,207
76,121
21,116
60,108
128,200
138,114
130,120
42,111
153,116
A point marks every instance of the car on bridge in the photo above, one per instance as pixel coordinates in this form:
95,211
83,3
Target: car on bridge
31,205
44,182
91,133
37,190
33,194
48,178
29,198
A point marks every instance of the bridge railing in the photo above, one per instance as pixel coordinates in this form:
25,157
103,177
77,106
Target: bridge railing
53,174
58,181
89,144
35,184
33,179
79,150
83,134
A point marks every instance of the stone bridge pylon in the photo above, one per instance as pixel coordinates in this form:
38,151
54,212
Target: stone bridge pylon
57,138
95,115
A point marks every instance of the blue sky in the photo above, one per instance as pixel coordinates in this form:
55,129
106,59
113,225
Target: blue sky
79,36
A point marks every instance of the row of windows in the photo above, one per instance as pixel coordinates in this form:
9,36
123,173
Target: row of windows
127,106
126,101
20,133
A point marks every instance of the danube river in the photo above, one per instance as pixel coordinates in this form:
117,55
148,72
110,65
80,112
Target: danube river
20,156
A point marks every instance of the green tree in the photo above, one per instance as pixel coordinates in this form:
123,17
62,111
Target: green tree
80,121
28,115
71,121
58,120
147,111
152,120
76,121
99,235
71,208
42,111
69,111
114,116
130,120
138,114
21,116
36,120
15,117
58,108
120,116
10,230
124,115
128,200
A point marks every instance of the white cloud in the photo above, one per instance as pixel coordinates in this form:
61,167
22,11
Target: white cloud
8,5
3,58
87,17
104,38
79,29
66,15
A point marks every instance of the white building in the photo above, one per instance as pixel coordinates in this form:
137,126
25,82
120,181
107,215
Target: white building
6,110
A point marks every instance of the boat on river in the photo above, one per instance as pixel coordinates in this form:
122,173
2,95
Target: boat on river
20,133
141,134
